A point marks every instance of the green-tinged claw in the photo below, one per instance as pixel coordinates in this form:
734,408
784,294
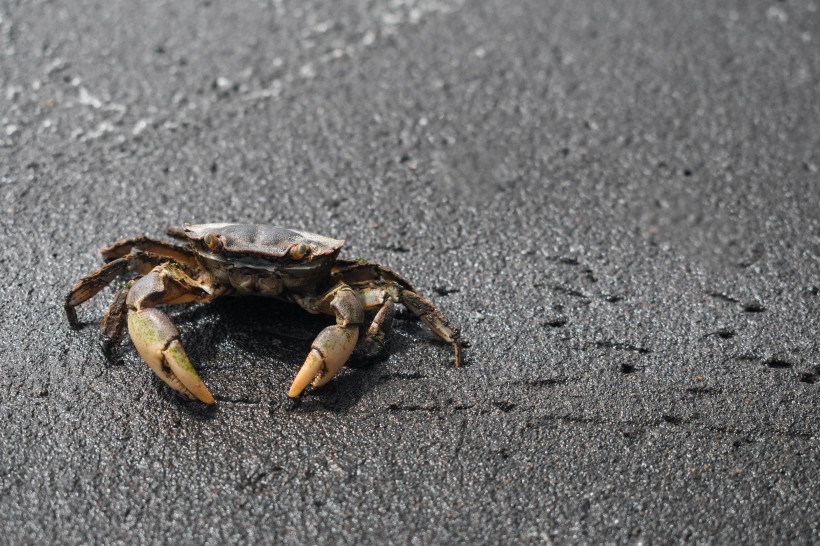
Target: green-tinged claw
157,341
178,362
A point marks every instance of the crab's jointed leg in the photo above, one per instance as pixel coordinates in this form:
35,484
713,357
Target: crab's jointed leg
113,323
372,281
333,346
429,314
374,339
383,298
87,287
152,246
155,336
378,300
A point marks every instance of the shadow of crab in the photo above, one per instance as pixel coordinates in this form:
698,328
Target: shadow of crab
249,349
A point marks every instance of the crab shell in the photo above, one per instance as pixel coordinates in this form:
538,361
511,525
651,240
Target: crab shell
237,241
247,255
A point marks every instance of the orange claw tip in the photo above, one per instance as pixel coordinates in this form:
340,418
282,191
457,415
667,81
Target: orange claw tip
312,366
206,397
203,394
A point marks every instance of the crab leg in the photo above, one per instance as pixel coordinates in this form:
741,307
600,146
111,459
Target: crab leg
333,346
87,287
373,341
383,298
429,314
155,336
153,246
378,300
113,323
372,281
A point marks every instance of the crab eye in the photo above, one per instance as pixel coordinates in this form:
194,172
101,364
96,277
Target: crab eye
214,242
297,252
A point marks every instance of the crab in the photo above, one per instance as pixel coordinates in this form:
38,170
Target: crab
243,260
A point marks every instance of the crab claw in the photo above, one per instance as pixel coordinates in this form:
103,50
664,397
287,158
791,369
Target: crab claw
157,341
328,354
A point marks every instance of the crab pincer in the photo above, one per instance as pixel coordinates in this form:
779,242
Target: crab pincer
155,336
333,346
157,341
328,354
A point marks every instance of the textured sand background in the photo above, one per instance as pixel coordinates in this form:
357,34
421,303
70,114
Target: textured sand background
618,202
